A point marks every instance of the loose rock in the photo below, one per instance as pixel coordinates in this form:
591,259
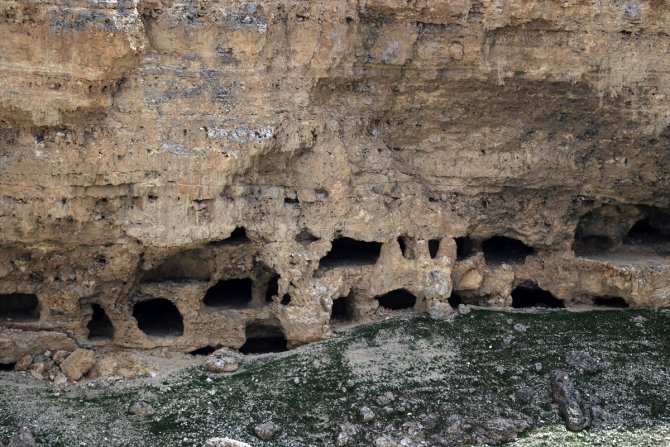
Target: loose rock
267,430
224,442
222,360
584,362
142,409
22,439
569,401
367,415
78,363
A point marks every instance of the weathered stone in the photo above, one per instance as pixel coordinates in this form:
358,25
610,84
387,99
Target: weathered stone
222,360
584,362
573,411
224,442
22,439
142,409
267,430
24,363
78,363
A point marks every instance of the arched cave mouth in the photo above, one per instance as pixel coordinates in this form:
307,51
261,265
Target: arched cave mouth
235,292
347,252
502,249
611,301
19,307
343,309
433,247
158,317
100,327
238,236
262,338
397,300
455,300
531,296
645,232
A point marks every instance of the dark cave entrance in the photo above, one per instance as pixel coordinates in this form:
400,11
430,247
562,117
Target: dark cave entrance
229,293
272,289
158,317
455,300
465,248
501,249
7,366
19,307
351,252
100,327
343,308
206,350
433,247
530,296
644,232
263,338
611,301
397,299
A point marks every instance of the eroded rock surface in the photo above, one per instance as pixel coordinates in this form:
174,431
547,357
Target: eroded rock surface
197,174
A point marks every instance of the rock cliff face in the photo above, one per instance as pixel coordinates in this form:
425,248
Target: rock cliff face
197,174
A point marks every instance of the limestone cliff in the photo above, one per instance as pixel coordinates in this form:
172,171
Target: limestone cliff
191,174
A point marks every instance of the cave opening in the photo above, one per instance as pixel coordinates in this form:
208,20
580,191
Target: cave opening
611,301
100,327
7,366
263,338
403,246
455,300
229,293
205,350
397,299
529,296
501,249
272,289
644,232
351,252
343,308
238,236
186,265
465,248
19,307
158,317
433,247
286,299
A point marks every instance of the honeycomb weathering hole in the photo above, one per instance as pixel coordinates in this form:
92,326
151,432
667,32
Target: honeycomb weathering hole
464,248
524,296
229,293
397,299
158,317
351,252
20,307
272,289
501,249
100,327
263,339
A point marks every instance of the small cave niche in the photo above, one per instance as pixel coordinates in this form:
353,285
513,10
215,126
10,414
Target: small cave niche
611,301
455,300
465,248
272,289
205,350
347,252
229,293
158,317
397,299
403,246
100,327
501,249
187,265
433,247
238,236
7,366
286,299
262,338
19,307
532,296
343,308
305,237
644,232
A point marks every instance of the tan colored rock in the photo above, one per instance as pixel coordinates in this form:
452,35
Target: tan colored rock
24,363
121,364
470,280
173,150
224,442
78,363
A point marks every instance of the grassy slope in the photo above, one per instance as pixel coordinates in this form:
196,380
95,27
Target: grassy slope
438,371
